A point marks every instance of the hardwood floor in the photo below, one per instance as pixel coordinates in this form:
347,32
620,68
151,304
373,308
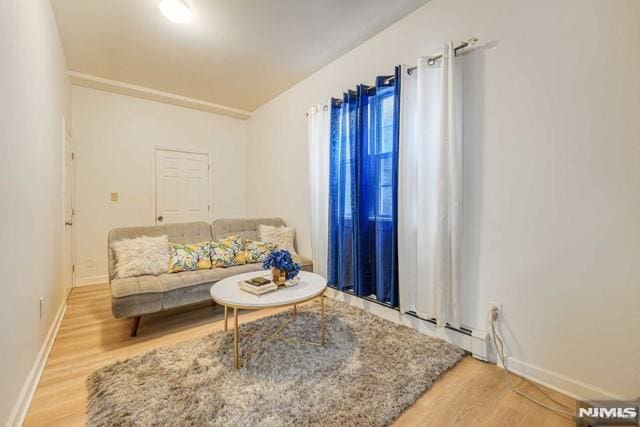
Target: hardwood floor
472,393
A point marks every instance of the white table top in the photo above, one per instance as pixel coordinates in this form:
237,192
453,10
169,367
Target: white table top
227,291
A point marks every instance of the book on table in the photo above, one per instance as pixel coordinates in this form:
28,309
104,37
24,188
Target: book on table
257,290
258,281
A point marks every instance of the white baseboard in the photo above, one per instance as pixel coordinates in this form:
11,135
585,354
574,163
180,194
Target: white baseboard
560,383
481,347
19,412
91,280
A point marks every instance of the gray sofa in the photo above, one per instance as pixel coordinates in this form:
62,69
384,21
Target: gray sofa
134,297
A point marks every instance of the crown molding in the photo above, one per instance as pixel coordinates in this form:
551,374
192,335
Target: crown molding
95,82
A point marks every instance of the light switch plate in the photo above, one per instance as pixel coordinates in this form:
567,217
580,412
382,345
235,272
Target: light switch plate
114,197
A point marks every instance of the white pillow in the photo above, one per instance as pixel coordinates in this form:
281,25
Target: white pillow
281,237
141,256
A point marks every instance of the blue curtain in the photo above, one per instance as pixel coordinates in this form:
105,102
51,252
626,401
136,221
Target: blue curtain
363,190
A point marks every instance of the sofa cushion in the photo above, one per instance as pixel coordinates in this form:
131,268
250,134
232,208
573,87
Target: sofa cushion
189,278
141,256
135,285
257,251
282,238
304,262
189,257
188,232
196,292
246,228
227,251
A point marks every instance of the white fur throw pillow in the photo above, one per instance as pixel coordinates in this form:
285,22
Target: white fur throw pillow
141,256
281,237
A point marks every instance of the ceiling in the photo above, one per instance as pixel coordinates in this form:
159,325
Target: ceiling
235,53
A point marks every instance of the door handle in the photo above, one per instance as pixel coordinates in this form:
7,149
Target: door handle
68,223
160,218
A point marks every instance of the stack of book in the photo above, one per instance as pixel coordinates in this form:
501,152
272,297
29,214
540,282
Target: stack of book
258,286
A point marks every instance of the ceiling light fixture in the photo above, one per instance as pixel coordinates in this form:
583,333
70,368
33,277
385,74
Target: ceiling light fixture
175,11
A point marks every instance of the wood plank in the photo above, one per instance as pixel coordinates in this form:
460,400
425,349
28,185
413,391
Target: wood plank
472,393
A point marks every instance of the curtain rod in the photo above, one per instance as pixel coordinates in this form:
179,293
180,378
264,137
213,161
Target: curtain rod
431,61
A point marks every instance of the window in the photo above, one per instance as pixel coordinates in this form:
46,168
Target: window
385,156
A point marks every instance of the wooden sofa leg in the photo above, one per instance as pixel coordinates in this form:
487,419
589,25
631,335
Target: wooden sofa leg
134,326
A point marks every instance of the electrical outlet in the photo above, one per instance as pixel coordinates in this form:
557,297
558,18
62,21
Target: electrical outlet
41,306
495,305
88,262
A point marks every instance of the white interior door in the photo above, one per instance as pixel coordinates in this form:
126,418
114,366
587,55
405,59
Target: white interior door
182,187
68,208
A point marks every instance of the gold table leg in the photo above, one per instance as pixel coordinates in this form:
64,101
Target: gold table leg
236,361
322,327
275,335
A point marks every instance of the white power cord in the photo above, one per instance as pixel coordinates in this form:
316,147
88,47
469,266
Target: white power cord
499,343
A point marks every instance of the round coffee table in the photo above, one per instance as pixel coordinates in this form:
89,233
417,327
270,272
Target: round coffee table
226,292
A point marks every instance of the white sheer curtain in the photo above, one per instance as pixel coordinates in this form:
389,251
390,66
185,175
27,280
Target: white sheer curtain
319,125
429,188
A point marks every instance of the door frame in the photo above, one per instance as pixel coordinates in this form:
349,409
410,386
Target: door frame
66,130
154,201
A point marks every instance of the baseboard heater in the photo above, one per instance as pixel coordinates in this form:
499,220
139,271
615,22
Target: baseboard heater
473,341
461,329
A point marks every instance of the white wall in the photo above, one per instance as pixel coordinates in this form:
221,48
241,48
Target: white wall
34,96
552,173
115,137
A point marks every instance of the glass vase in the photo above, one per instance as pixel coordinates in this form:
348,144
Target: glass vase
279,276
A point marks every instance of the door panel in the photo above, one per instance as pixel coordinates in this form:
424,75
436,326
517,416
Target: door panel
171,192
194,186
182,187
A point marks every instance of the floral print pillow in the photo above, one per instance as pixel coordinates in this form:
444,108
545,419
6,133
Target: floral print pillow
257,251
189,257
227,251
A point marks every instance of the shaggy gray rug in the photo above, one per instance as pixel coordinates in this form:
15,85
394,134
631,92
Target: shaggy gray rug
369,371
